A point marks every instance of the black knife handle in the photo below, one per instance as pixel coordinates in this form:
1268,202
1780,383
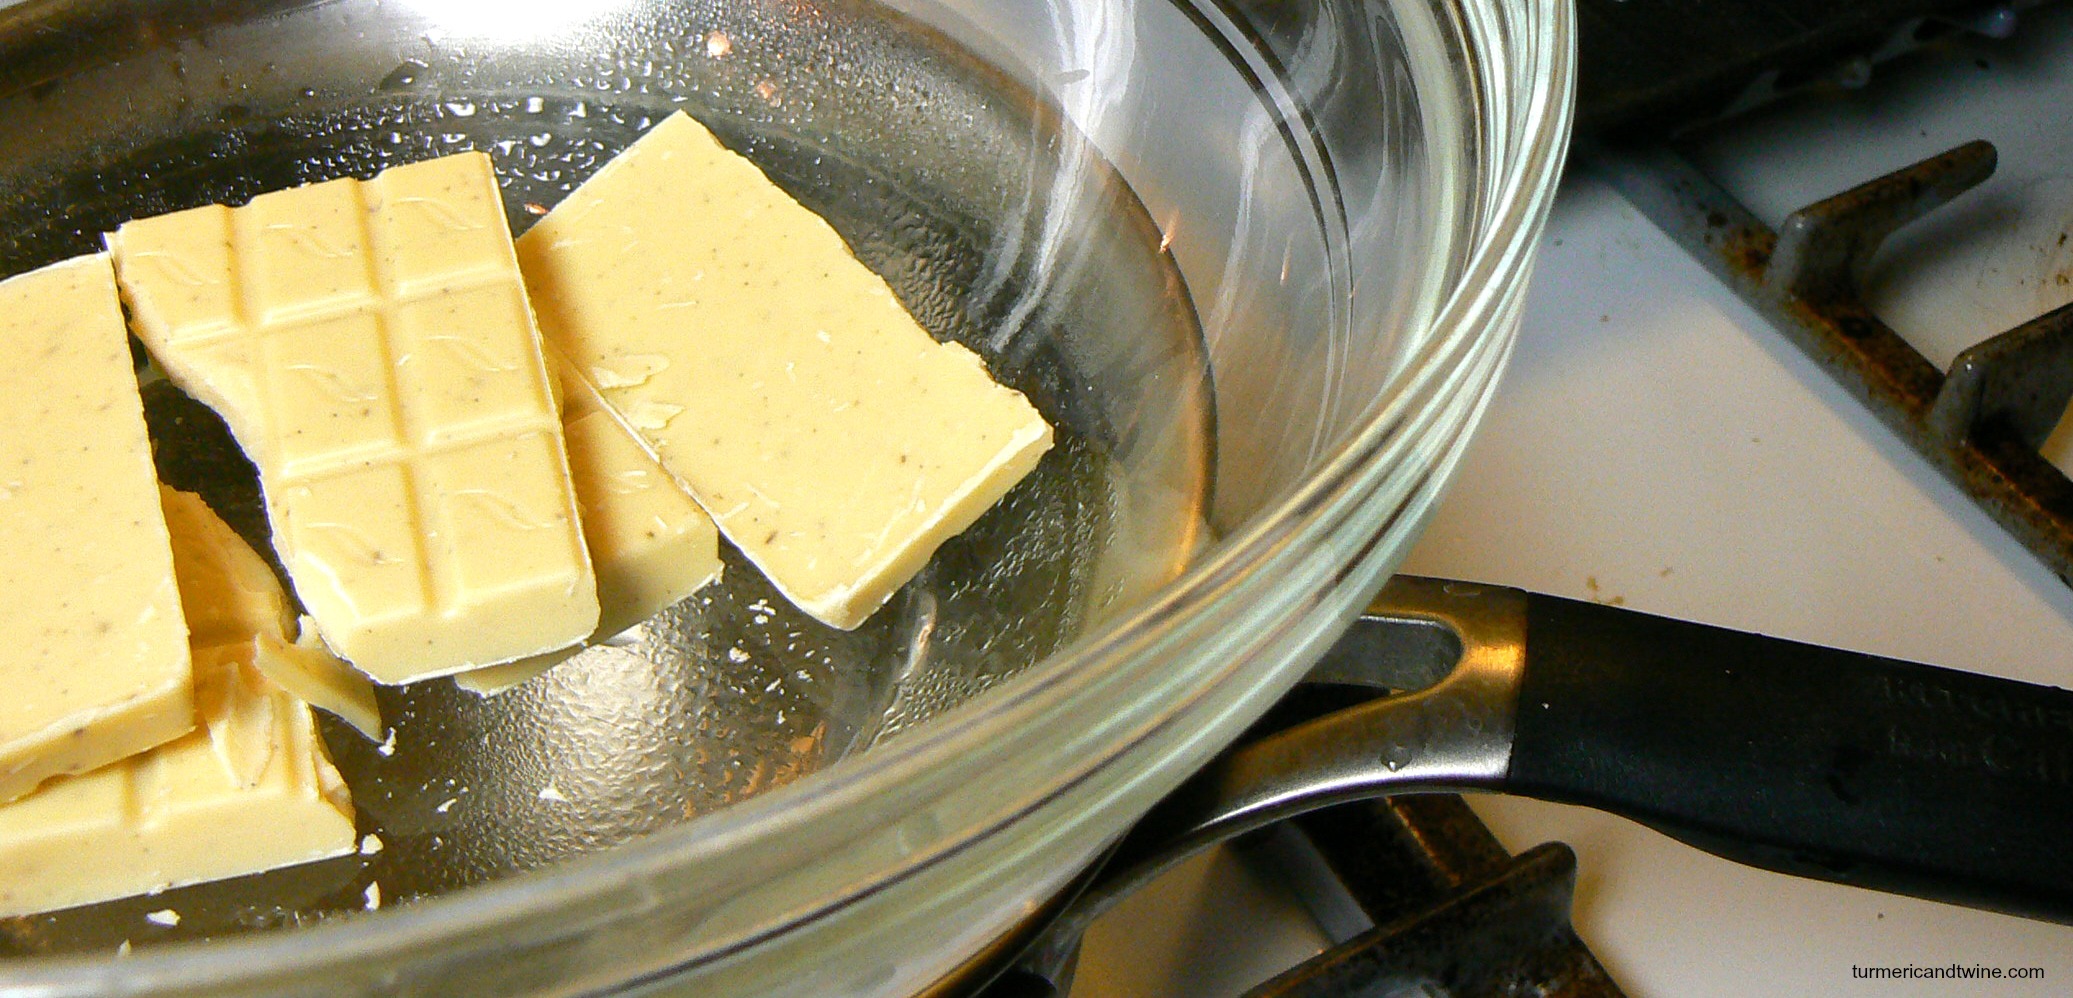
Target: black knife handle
1806,760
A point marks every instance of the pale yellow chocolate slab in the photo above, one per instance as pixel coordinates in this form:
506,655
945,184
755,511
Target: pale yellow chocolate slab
250,789
93,650
650,542
371,347
831,438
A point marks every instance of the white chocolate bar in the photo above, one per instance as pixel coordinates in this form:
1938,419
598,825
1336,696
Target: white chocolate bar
650,543
831,438
95,660
250,789
371,347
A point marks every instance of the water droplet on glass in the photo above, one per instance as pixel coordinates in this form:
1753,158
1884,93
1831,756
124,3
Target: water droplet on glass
404,75
1397,754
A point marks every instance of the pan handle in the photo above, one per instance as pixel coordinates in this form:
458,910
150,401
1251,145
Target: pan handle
1786,756
1806,760
1791,757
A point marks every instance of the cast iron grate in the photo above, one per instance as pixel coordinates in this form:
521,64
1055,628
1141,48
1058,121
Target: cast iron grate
1981,423
1423,898
1648,71
1453,915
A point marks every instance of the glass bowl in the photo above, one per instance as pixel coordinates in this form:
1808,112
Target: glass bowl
1340,200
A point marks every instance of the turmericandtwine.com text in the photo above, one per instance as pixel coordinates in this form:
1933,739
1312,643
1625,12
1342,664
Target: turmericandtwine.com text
1947,972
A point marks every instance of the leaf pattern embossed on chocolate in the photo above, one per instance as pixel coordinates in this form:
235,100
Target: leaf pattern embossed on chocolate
334,384
441,213
503,509
476,354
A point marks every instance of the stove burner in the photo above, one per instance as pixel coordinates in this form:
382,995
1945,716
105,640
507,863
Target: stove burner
1982,423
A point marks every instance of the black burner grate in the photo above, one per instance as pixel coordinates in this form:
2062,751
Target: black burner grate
1650,70
1982,423
1454,914
1448,912
1424,899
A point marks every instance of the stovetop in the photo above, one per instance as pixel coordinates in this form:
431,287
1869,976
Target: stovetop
1655,444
